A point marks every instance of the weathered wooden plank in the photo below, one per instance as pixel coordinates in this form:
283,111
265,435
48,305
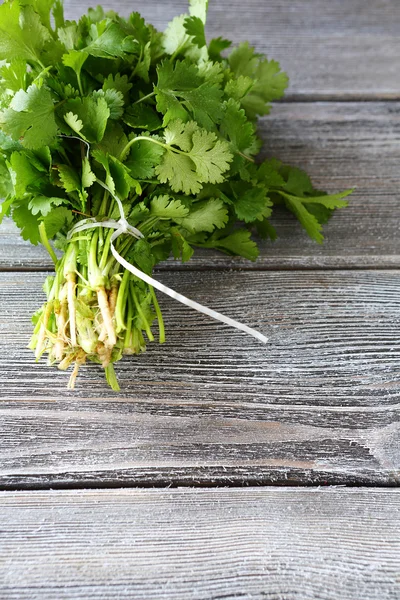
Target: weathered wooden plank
292,543
319,403
341,146
342,49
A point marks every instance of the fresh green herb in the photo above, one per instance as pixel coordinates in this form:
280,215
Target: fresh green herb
107,109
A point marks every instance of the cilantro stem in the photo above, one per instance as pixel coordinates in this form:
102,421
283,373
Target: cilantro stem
159,315
78,76
144,98
45,241
246,157
146,138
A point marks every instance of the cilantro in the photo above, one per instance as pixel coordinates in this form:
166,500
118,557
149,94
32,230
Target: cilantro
107,112
30,117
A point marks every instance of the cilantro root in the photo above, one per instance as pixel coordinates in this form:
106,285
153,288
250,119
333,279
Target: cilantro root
106,119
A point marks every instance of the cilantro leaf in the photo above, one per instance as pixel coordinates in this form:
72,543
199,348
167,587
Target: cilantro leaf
238,243
14,76
114,100
216,46
58,219
92,113
194,26
109,41
143,158
43,204
237,129
27,222
206,216
251,203
118,82
210,155
269,82
180,172
30,117
180,247
164,207
22,35
181,93
142,116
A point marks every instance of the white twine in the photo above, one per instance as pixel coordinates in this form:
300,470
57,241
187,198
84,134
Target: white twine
122,226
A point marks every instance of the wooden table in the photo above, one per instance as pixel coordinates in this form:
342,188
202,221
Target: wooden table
169,489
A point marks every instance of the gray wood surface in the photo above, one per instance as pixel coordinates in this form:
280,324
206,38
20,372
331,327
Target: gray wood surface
319,403
341,145
288,543
345,49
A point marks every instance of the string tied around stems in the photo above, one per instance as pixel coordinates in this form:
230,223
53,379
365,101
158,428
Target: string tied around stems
123,227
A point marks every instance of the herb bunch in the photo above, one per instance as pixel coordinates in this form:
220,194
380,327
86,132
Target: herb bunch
108,108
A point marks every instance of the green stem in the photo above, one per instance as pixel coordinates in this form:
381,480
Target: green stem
141,313
146,138
106,249
159,316
78,76
45,241
127,340
121,302
145,98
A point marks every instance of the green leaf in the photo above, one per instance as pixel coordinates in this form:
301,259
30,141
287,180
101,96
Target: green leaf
181,92
22,36
69,178
27,222
30,117
210,155
88,177
143,158
269,81
309,222
216,47
110,43
194,27
114,99
180,247
268,173
198,8
43,204
206,216
5,206
75,59
142,116
180,172
142,256
14,75
298,182
118,178
164,207
118,82
92,113
205,161
6,186
57,220
175,37
251,203
74,122
238,243
24,173
237,129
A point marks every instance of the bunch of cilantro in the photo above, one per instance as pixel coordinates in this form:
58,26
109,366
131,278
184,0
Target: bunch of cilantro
108,108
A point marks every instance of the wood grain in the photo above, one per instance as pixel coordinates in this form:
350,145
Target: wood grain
319,403
345,49
291,543
340,146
